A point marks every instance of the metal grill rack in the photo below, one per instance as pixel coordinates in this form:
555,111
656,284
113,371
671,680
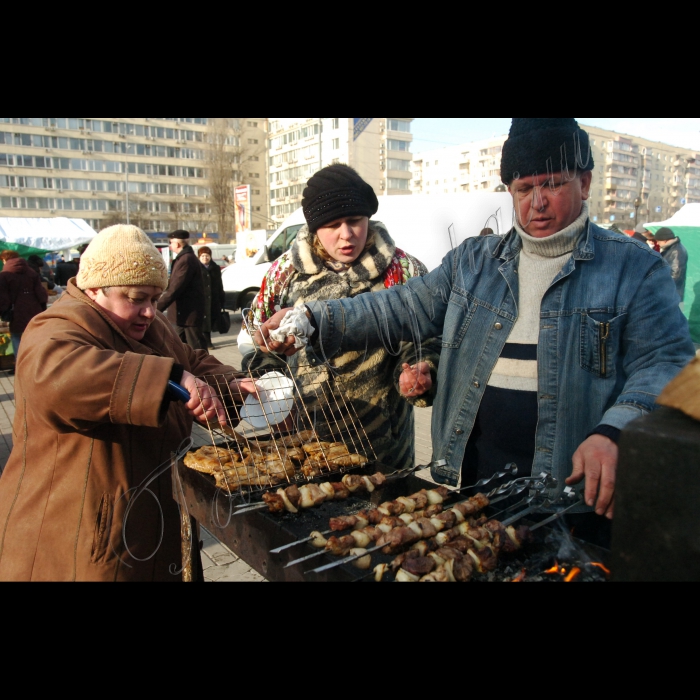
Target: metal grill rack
302,429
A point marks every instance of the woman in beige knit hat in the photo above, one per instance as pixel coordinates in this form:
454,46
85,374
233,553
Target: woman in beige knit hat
92,393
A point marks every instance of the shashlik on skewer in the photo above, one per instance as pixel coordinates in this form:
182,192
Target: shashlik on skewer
392,533
294,498
466,551
430,501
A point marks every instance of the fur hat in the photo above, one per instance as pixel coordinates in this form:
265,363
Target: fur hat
664,234
334,193
532,142
122,256
180,235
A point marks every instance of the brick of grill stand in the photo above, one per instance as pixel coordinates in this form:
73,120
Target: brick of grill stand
656,531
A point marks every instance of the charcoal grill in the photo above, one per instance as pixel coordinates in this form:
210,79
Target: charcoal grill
252,536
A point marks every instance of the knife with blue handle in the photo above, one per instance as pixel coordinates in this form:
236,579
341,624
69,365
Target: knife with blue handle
178,393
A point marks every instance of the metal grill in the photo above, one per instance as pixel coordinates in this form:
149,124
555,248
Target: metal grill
303,429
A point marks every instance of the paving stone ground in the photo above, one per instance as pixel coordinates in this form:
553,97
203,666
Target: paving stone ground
220,564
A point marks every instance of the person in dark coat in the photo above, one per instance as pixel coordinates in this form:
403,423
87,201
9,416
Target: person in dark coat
20,289
65,271
184,299
213,292
675,254
37,264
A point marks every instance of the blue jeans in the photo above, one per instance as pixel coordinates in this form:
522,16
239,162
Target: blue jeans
15,343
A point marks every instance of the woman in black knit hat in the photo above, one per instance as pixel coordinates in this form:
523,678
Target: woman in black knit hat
341,253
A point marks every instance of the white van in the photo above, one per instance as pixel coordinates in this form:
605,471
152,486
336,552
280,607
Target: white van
426,226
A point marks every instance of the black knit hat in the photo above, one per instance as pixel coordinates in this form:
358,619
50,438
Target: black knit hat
334,193
180,235
664,234
532,142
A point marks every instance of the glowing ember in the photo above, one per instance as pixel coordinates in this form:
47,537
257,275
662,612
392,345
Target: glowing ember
572,575
554,570
601,567
520,577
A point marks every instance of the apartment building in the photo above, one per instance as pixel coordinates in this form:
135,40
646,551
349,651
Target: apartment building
378,148
467,168
635,180
98,169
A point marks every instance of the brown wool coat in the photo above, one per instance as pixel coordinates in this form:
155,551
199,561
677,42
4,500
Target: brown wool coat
89,428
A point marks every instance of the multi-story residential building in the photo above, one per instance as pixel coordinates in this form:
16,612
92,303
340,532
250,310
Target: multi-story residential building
467,168
635,180
99,168
379,149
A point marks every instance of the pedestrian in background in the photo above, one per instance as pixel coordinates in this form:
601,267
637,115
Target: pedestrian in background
21,291
675,254
213,293
648,236
37,264
184,299
65,271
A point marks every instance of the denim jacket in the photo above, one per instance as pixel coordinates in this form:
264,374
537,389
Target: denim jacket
611,337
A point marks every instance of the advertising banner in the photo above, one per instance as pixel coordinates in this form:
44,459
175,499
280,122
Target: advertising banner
361,123
243,209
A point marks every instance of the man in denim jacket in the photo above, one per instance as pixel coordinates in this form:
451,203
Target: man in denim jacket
555,336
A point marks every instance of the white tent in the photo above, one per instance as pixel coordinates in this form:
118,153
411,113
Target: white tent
28,236
687,217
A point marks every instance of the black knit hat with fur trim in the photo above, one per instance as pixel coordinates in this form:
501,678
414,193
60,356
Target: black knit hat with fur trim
532,142
334,193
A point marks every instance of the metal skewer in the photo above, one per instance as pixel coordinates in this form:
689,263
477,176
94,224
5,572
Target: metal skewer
349,560
556,516
512,489
311,556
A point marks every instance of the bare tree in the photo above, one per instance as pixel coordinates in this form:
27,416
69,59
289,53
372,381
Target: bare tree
227,154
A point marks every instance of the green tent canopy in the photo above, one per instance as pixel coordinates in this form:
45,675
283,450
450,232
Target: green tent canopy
686,225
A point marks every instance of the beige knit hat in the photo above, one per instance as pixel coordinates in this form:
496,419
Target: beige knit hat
122,256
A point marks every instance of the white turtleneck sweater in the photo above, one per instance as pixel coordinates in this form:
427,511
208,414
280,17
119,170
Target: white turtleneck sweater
541,260
506,424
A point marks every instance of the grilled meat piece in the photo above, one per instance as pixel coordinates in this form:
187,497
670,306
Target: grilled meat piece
438,576
341,491
345,522
485,559
392,508
462,570
419,566
340,546
421,499
432,511
311,496
448,518
274,502
353,482
427,528
378,480
294,495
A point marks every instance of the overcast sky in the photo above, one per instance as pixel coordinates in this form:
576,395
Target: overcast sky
431,133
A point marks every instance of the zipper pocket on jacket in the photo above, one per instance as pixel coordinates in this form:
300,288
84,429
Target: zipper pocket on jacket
604,335
103,526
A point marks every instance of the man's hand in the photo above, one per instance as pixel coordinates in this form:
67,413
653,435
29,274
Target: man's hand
204,405
415,381
266,344
596,461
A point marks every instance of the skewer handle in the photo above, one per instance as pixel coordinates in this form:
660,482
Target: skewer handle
178,393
